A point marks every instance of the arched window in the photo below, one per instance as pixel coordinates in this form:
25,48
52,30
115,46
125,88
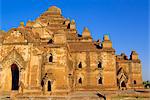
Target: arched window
100,81
80,65
51,58
134,82
99,65
123,84
80,80
49,86
50,41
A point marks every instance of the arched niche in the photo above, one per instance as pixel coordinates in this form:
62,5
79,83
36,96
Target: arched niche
123,84
100,80
80,65
122,79
99,65
12,64
48,82
50,59
80,79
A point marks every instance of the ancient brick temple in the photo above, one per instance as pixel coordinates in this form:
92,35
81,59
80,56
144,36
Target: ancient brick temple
49,56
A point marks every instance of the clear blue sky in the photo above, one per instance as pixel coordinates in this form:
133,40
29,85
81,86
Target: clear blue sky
126,21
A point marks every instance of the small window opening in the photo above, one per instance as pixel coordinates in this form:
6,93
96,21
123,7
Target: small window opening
50,41
80,65
100,80
99,65
80,80
49,86
134,81
51,58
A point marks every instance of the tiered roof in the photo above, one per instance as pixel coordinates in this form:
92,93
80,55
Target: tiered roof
51,22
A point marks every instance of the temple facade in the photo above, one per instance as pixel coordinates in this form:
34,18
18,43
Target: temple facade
48,56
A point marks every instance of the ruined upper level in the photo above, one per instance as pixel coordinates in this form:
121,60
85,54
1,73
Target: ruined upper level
52,28
123,58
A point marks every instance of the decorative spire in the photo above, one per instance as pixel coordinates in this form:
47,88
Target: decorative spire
73,21
21,24
106,42
86,32
106,37
73,24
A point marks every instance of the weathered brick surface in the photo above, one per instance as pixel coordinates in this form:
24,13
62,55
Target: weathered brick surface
48,52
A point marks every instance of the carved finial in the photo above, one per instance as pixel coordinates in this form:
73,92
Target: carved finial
86,32
106,37
106,42
86,29
72,24
73,21
21,24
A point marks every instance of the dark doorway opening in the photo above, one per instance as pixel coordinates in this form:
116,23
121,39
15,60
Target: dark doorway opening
51,58
123,84
99,65
80,65
49,86
80,80
15,77
50,41
100,81
134,81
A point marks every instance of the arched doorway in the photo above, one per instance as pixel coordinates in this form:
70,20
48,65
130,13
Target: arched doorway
15,77
123,84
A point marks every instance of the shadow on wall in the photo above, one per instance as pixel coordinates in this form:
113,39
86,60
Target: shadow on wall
101,96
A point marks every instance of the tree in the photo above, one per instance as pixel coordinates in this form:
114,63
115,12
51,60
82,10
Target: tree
146,84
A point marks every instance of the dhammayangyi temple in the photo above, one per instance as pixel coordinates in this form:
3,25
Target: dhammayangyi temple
48,58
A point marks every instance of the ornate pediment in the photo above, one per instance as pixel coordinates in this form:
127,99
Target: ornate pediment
14,36
13,57
121,75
